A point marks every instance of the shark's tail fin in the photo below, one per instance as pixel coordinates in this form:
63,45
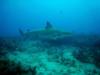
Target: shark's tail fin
21,32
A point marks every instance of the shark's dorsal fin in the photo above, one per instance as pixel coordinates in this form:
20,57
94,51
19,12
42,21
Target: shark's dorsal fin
48,26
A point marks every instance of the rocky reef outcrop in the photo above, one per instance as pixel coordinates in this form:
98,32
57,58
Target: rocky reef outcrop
89,51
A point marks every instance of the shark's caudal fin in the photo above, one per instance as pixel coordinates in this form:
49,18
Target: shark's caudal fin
21,32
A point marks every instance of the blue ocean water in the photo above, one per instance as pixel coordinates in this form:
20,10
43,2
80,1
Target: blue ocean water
78,16
49,37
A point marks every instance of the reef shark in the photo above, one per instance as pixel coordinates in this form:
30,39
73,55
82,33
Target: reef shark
48,34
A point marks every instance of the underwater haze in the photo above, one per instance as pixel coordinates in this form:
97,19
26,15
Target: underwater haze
78,16
49,37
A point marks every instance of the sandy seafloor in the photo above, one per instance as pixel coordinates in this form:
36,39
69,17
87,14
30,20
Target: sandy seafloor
54,60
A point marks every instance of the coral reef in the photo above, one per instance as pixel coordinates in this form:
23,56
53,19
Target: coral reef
8,44
8,67
88,55
50,52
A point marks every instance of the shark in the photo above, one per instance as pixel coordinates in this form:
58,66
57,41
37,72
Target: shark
48,34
